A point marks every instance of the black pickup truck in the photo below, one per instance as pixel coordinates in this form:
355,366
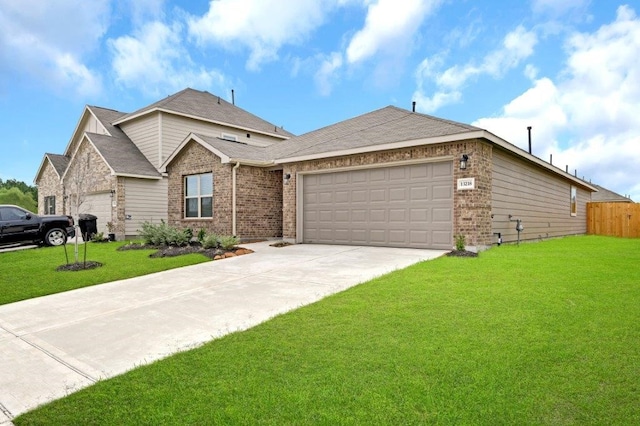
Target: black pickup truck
18,225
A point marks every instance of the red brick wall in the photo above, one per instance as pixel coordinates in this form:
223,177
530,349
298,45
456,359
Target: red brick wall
258,195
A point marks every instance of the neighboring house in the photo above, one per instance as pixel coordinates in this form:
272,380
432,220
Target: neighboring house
110,167
390,177
605,195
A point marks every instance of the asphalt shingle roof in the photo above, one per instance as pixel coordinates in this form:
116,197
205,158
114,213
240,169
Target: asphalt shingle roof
213,108
237,150
59,162
122,155
383,126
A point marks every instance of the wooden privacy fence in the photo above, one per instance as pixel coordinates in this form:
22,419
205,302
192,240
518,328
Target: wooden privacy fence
614,219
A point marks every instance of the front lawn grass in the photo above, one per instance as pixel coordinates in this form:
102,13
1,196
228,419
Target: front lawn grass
543,333
25,274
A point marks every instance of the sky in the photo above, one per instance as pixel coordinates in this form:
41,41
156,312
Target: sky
570,69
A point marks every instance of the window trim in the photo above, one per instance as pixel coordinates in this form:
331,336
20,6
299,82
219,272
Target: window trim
50,204
573,201
199,196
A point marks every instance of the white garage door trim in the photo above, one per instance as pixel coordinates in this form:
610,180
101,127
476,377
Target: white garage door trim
413,233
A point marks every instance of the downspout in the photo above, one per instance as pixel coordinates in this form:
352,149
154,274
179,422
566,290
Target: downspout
233,198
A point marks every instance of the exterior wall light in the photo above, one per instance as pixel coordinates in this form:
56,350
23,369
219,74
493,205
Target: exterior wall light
112,193
463,161
286,178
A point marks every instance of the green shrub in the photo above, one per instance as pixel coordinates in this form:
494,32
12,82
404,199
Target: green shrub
98,237
460,243
202,233
210,241
164,235
227,242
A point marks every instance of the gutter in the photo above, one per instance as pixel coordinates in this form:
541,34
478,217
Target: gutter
233,198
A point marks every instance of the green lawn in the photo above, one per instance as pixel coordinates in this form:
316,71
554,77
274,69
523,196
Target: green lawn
31,273
544,333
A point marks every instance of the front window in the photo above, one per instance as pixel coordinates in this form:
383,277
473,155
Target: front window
50,205
574,201
198,195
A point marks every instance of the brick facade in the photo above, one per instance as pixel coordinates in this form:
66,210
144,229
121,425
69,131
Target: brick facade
472,209
258,195
88,174
259,202
49,185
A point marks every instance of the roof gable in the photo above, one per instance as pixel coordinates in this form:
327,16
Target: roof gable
58,162
122,156
205,106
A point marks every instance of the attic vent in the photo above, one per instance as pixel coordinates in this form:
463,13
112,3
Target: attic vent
228,137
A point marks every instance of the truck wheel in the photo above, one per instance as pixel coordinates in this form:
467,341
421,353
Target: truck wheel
55,237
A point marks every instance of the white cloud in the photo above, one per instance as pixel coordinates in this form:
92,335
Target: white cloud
49,39
262,26
326,76
588,118
390,25
516,46
154,61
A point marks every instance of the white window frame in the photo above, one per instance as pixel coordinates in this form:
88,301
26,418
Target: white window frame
199,196
573,201
50,204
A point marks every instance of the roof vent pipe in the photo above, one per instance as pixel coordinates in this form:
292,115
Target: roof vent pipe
529,130
413,106
233,97
551,159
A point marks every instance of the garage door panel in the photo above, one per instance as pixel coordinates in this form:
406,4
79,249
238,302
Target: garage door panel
398,173
442,192
400,206
377,215
358,216
419,193
359,195
377,195
342,196
442,237
378,236
397,215
442,215
442,170
398,194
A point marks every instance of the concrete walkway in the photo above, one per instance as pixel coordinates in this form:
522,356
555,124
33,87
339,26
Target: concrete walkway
54,345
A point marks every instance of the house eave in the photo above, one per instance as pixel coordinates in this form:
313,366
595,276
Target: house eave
533,159
383,147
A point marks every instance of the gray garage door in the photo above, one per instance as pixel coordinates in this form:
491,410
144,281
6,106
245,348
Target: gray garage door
401,206
98,205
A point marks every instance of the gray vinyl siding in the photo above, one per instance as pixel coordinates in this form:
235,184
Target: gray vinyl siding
537,197
176,128
144,133
145,200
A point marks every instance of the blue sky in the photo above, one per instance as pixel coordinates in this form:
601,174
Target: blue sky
567,68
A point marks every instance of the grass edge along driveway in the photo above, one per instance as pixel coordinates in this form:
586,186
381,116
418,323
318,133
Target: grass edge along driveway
25,274
544,333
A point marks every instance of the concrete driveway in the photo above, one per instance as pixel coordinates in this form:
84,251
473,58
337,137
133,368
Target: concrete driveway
54,345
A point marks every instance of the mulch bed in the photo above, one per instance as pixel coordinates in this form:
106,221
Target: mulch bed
80,266
462,253
171,251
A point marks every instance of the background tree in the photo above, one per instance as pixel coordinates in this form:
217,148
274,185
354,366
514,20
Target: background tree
19,193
